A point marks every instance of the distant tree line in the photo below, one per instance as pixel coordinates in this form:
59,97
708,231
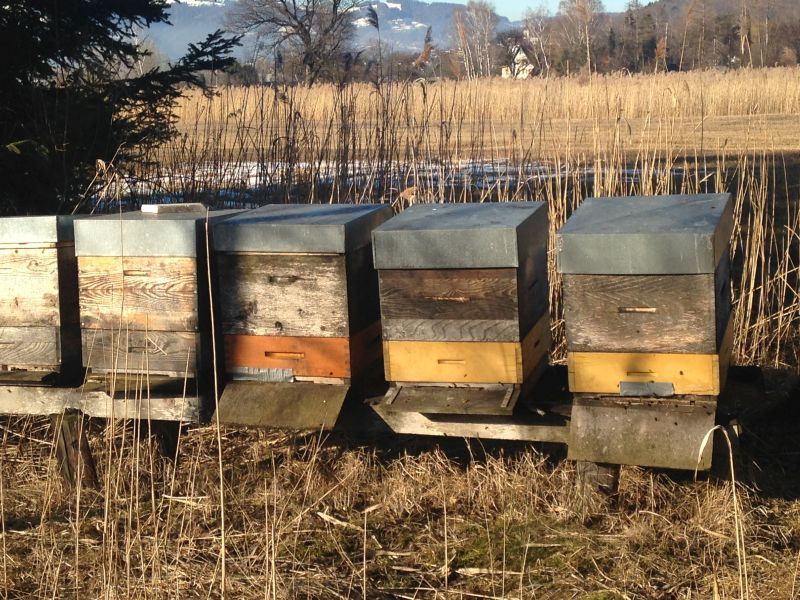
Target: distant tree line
306,41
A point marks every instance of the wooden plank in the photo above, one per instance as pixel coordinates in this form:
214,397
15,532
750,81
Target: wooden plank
93,402
453,400
152,352
474,330
138,292
283,295
72,450
462,294
602,372
478,427
285,405
466,362
306,356
23,347
29,287
648,313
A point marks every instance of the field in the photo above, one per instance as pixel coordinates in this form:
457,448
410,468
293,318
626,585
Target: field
270,515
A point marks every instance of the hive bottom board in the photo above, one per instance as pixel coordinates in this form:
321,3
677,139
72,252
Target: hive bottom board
697,374
467,362
662,433
324,357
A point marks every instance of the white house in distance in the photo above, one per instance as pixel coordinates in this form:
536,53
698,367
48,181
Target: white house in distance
520,67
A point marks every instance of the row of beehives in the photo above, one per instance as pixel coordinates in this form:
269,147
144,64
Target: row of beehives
447,294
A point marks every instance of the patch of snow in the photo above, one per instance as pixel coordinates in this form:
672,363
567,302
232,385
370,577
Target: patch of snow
394,5
362,22
406,25
198,2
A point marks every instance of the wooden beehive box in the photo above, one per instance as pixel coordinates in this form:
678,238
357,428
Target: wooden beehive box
298,291
464,293
144,294
38,295
647,294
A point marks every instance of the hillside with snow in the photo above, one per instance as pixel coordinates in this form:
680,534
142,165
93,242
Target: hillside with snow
403,25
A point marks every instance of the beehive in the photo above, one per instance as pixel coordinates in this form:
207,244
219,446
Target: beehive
464,293
143,286
38,295
647,294
298,291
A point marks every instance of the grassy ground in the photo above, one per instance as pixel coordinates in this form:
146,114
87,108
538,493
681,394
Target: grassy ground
329,517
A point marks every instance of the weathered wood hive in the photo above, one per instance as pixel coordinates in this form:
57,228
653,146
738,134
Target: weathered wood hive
298,292
647,294
464,293
39,327
144,296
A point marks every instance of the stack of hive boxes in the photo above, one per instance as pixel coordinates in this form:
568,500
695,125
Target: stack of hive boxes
144,292
298,292
464,293
39,328
647,300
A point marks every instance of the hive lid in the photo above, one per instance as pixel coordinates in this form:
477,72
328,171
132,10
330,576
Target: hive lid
38,229
646,235
461,236
145,233
306,228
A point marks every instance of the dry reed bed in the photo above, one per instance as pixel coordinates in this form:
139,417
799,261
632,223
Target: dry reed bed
337,520
409,518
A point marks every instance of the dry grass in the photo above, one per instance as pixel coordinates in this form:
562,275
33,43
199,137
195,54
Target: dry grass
330,518
313,517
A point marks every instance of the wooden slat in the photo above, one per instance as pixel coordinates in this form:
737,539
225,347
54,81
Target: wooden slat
283,295
164,352
466,362
142,293
497,400
29,287
649,313
476,330
306,356
24,347
449,294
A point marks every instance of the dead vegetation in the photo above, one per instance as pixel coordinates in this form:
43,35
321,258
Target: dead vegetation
317,516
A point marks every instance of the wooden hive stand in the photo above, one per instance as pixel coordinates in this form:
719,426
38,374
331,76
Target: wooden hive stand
464,307
299,311
647,308
145,312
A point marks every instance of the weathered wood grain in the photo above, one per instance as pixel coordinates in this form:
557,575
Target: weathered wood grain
283,295
142,293
24,347
165,352
29,287
449,294
94,402
476,330
646,313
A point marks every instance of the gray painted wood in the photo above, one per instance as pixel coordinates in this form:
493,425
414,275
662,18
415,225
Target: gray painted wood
462,236
26,347
658,235
162,352
145,234
305,228
36,230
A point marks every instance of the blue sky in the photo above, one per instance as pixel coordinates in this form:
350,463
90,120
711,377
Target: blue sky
514,9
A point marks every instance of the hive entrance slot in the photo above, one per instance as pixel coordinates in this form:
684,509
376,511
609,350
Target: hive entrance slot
285,355
637,310
451,361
